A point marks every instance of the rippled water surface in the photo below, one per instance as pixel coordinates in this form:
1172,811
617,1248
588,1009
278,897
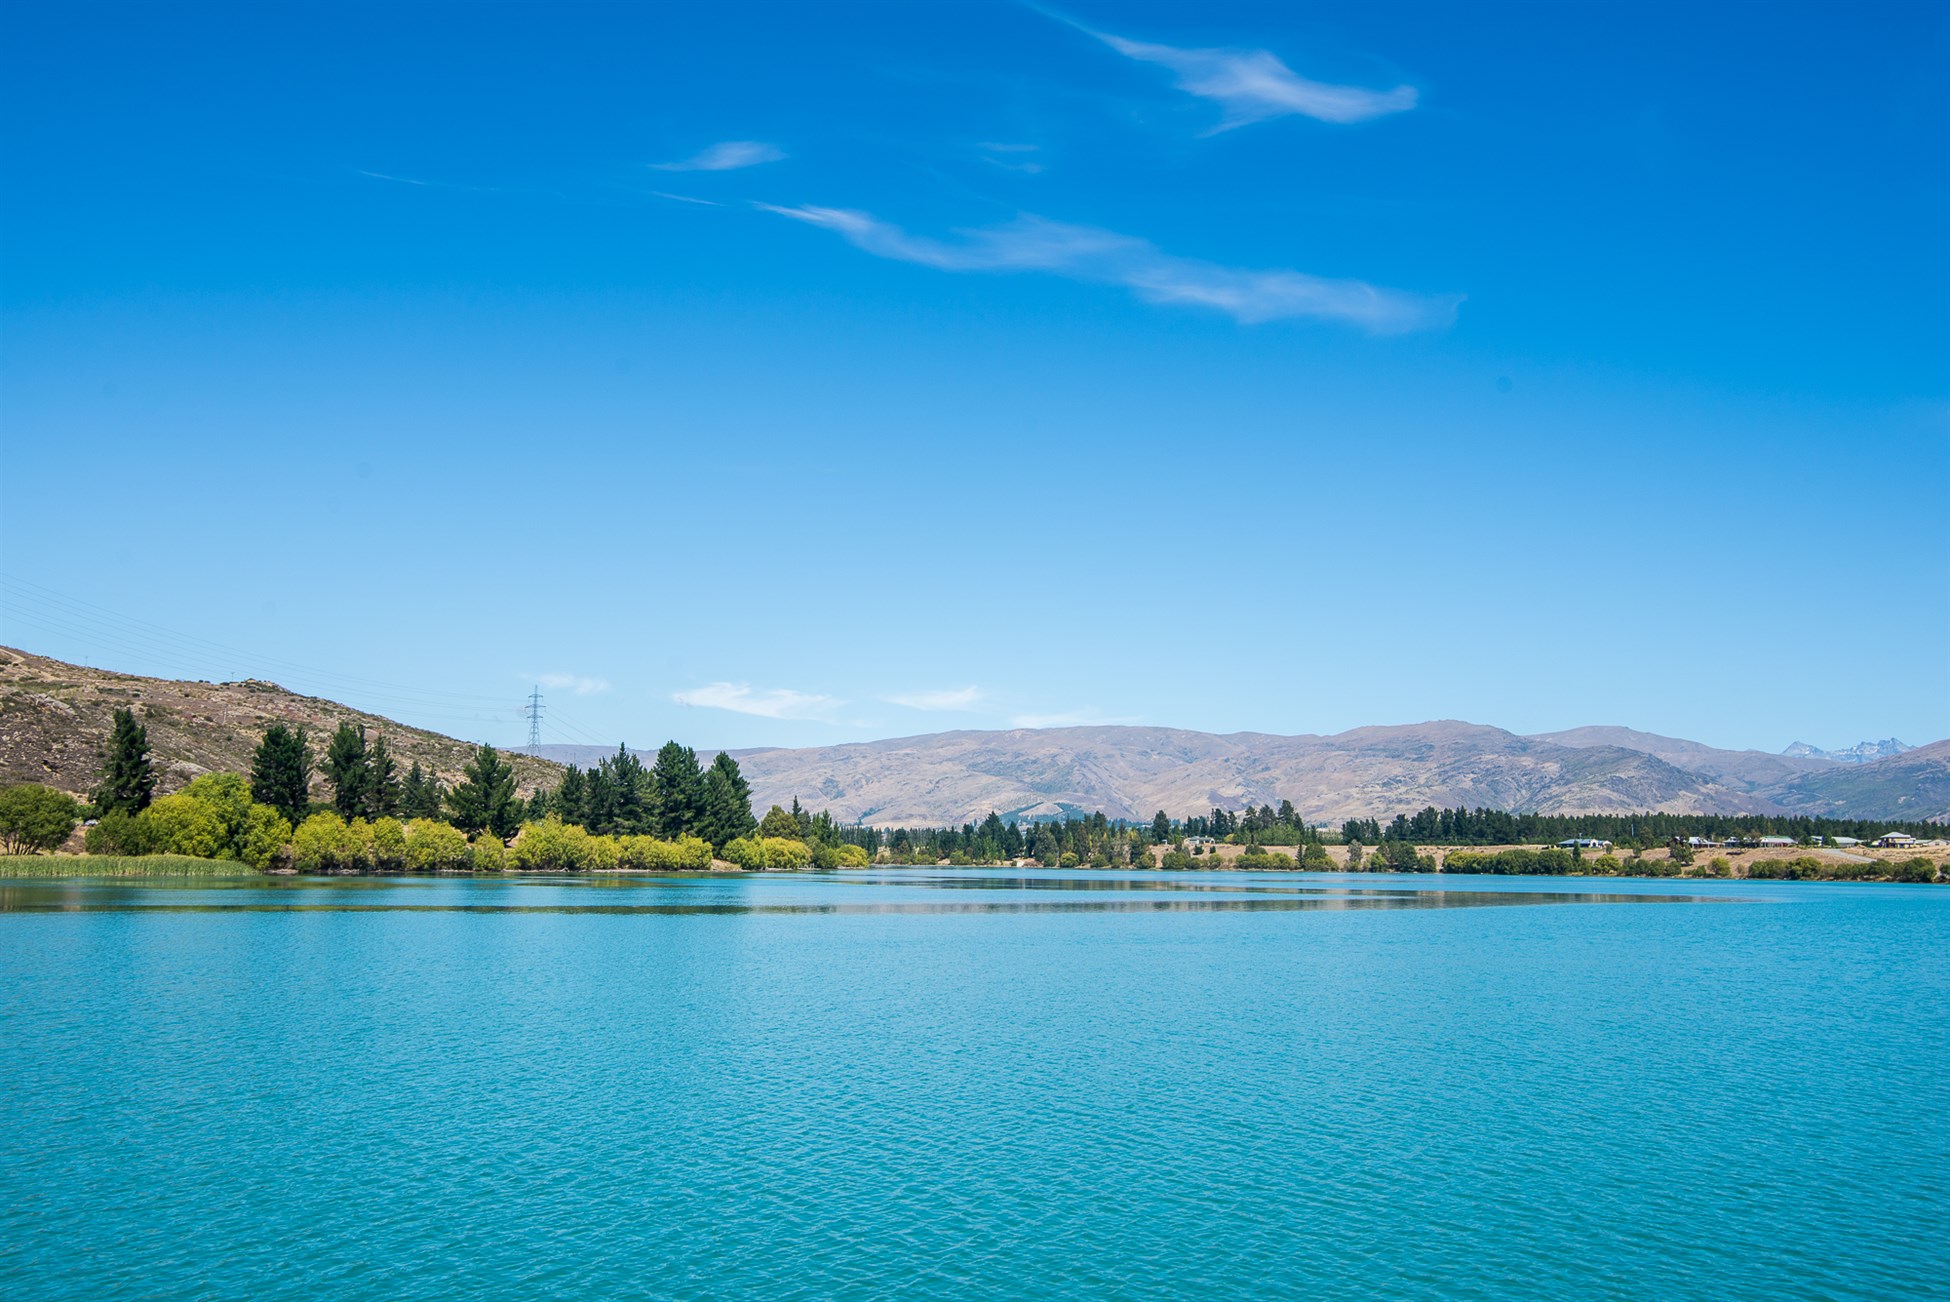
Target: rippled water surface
969,1084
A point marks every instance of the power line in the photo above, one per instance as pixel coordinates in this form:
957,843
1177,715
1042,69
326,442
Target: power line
534,712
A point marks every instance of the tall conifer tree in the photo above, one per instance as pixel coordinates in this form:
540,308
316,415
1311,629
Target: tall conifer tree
128,778
346,769
281,772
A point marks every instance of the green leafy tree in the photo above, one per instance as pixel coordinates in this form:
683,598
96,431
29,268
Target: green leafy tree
128,778
485,798
1160,828
34,818
185,825
281,772
346,769
778,823
727,803
677,792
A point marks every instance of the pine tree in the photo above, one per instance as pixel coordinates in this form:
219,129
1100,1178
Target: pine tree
1160,827
346,770
568,799
485,798
779,823
281,772
128,778
418,794
727,803
382,781
676,791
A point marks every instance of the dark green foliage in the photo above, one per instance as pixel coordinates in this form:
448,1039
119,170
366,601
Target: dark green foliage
128,778
281,772
34,818
382,781
1160,828
677,792
346,770
1548,862
121,833
485,798
727,803
420,795
568,797
777,822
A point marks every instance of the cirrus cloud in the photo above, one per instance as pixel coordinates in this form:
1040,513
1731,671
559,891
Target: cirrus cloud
726,156
766,703
1253,85
958,698
1089,253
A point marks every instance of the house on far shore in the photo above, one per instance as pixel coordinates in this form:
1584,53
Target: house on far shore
1894,840
1775,842
1583,843
1844,841
1698,842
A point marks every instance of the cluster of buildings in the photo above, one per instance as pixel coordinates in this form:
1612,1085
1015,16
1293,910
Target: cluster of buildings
1887,841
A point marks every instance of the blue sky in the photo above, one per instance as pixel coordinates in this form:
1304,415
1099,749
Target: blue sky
779,374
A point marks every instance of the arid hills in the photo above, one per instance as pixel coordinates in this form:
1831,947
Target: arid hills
53,717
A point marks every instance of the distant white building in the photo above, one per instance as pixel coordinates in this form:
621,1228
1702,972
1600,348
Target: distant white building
1775,842
1583,843
1895,840
1844,841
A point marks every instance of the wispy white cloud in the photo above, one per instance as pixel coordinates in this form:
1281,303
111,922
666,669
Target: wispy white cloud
1253,85
726,156
958,698
686,198
580,684
1091,254
766,703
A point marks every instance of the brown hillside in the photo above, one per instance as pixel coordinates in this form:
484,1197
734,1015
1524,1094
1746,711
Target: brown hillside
54,717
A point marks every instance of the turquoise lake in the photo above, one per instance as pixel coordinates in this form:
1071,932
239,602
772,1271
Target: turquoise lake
974,1084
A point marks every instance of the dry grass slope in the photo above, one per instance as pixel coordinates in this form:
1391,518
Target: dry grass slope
54,717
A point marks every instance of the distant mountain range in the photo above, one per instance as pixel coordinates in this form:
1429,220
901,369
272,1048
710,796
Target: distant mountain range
1862,752
1130,772
53,717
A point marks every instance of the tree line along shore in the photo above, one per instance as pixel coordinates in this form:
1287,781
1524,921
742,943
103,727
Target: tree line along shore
675,815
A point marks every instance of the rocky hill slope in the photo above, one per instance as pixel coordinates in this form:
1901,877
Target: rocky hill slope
1128,772
54,717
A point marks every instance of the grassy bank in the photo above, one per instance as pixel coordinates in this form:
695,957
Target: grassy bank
116,865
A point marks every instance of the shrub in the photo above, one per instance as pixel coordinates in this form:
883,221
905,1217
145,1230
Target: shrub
182,824
649,854
1401,857
263,838
852,856
35,818
1315,859
1177,859
435,847
1919,869
1719,867
1548,862
767,853
1068,859
1259,857
388,845
228,796
324,843
1142,858
122,835
487,854
553,846
1802,868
